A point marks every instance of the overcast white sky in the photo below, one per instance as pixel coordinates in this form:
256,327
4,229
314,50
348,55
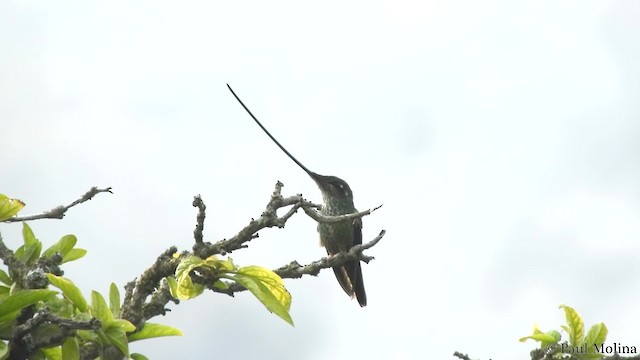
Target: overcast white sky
502,137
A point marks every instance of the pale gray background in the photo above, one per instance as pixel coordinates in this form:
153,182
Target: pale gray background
501,136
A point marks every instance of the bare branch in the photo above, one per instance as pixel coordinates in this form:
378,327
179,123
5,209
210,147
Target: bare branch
59,212
461,356
138,290
197,233
269,218
294,270
315,215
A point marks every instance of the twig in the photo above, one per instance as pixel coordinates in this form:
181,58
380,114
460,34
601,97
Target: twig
294,270
197,233
269,218
334,219
461,356
59,212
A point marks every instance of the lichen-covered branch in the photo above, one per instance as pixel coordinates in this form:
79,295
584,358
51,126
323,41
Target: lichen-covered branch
294,270
148,295
60,211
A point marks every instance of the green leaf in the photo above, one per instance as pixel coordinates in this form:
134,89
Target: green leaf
53,353
9,207
7,328
219,284
27,235
186,289
30,251
22,299
100,310
62,246
4,350
271,280
575,325
124,325
187,265
267,287
596,335
114,300
551,337
60,306
5,278
136,356
74,254
173,286
70,291
220,265
116,336
70,349
87,335
154,330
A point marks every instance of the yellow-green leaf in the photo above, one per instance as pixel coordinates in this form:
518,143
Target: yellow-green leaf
62,246
151,330
187,264
173,286
54,353
221,265
221,285
596,335
100,310
70,350
70,291
4,349
9,207
124,325
61,306
267,287
550,337
117,337
114,300
186,289
27,234
575,325
30,251
136,356
74,254
271,280
5,279
21,299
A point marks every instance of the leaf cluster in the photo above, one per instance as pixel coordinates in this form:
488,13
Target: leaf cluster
578,345
263,283
43,323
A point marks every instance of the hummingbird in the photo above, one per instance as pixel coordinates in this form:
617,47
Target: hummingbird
334,237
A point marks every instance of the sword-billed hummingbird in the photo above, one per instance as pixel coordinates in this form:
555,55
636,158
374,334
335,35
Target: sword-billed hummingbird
335,237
